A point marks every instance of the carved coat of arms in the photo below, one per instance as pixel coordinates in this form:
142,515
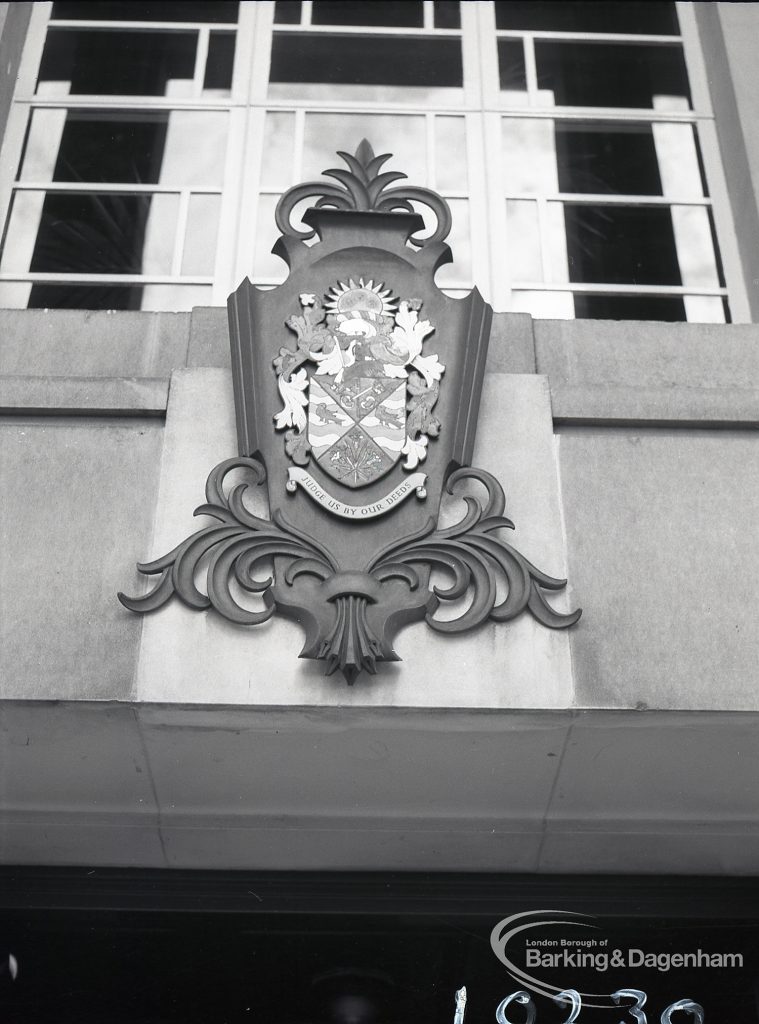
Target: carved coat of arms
357,386
369,398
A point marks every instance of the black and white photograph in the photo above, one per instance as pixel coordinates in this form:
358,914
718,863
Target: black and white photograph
379,625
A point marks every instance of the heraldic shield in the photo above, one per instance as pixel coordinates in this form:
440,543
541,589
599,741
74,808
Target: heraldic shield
357,386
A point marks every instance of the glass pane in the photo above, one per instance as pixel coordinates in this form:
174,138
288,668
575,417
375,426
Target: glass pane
450,154
156,10
196,148
85,296
612,75
175,298
523,240
43,137
90,233
117,63
447,14
402,135
543,305
219,64
679,160
90,146
653,17
160,233
199,256
135,147
287,12
528,156
629,307
393,13
619,159
695,251
705,309
178,298
621,245
277,156
394,62
21,231
511,67
555,242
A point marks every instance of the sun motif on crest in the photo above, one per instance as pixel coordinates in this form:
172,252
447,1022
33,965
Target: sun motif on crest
365,297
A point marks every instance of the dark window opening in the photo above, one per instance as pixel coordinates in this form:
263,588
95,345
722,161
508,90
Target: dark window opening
630,307
511,64
287,12
621,245
117,148
619,159
366,60
117,63
85,296
650,18
717,254
91,234
392,13
610,74
447,14
220,62
217,11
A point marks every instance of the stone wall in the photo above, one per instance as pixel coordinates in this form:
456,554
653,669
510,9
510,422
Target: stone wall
629,457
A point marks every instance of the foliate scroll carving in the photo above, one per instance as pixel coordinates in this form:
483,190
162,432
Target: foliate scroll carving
363,189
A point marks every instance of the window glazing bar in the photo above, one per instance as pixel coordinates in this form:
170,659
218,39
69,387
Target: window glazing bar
85,187
362,30
145,26
588,37
589,288
51,278
608,199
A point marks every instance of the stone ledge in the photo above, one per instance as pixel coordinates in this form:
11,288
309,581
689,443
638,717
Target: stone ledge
575,792
627,405
88,396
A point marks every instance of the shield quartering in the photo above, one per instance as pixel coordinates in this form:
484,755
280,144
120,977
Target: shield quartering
357,428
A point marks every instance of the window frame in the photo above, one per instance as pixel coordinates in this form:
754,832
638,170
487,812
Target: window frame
482,109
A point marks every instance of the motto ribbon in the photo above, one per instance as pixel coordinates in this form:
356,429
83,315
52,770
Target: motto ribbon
415,482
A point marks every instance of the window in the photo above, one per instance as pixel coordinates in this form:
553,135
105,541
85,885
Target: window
124,128
574,142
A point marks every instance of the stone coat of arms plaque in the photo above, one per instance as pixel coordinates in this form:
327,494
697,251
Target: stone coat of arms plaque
357,386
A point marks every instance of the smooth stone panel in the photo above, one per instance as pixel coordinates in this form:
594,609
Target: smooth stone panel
93,343
647,355
209,337
189,656
512,344
78,501
661,529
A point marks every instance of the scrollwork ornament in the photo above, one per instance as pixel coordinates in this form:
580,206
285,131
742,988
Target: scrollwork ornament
234,550
364,189
478,561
